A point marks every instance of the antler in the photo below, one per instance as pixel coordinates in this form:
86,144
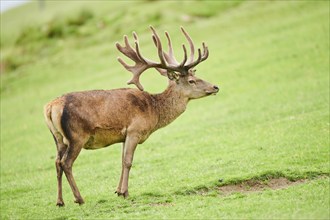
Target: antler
167,64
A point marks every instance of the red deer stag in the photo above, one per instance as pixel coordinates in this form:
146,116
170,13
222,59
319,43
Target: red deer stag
99,118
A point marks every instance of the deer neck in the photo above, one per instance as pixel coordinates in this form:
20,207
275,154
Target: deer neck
170,104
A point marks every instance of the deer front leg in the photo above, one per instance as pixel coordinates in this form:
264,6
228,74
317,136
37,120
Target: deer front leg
122,171
130,146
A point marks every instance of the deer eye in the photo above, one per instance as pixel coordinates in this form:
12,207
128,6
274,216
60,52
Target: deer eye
191,81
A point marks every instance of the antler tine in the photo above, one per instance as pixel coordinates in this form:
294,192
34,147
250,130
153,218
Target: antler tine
199,59
161,54
191,44
205,52
136,38
185,56
127,50
159,46
137,49
128,67
154,40
170,48
170,55
136,79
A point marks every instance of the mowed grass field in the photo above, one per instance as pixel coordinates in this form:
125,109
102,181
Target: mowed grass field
269,121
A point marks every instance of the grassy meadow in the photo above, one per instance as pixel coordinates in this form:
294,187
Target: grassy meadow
270,119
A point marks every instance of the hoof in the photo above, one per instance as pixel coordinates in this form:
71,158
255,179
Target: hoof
124,194
60,203
79,201
118,193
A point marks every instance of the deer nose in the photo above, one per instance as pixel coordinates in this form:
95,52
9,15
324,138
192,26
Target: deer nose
216,87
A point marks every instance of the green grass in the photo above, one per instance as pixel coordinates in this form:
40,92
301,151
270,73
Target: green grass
270,119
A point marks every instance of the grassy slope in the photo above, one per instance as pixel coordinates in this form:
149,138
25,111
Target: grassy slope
270,118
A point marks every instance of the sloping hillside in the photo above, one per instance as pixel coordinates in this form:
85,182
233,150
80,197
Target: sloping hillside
270,119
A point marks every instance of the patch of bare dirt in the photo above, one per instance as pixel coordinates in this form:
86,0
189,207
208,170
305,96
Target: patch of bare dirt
257,185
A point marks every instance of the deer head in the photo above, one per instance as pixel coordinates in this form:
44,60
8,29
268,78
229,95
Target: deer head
181,75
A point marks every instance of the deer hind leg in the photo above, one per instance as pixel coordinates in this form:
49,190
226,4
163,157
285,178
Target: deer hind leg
130,146
67,161
122,171
61,148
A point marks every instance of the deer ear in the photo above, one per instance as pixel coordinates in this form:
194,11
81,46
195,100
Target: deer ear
169,74
192,71
173,75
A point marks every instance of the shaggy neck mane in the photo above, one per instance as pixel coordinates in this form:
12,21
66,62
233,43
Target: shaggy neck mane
169,104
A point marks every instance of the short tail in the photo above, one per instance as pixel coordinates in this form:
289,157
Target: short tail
52,117
48,118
